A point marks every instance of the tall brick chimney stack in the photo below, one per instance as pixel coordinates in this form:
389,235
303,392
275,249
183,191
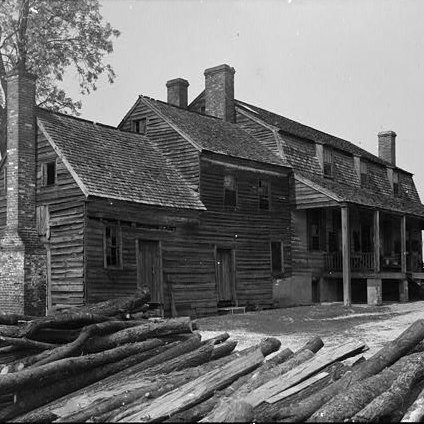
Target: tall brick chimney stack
387,146
178,92
22,256
219,92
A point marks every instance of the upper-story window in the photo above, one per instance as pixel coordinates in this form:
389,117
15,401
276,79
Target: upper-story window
49,173
328,162
264,191
230,191
202,110
364,173
139,125
396,187
112,246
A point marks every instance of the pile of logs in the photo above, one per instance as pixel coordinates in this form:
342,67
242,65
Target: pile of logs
108,362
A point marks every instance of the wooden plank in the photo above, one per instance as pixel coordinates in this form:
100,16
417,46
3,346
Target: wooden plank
403,243
302,372
377,241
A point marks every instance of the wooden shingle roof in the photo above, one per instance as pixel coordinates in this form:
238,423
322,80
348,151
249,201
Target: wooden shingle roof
303,131
114,164
215,135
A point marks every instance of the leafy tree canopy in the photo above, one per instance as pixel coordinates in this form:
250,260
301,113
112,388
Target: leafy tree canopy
49,37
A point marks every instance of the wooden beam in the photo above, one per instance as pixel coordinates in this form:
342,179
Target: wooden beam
403,243
377,241
346,256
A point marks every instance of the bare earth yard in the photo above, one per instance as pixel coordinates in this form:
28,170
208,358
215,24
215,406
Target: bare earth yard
333,322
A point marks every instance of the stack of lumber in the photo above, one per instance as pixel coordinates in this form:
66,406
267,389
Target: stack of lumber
108,362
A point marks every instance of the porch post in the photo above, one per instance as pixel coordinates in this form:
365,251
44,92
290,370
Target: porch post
403,284
403,243
346,256
377,241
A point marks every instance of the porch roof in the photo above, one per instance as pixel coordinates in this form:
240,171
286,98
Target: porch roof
335,193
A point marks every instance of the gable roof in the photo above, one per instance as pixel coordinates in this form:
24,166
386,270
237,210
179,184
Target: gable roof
110,163
303,131
213,134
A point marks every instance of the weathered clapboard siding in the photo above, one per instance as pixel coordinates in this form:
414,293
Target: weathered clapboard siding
263,133
3,203
183,155
247,230
187,260
65,202
308,197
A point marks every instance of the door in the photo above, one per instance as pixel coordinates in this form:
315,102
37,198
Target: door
225,277
149,266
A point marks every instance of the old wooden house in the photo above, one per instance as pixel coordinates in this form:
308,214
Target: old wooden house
189,205
356,218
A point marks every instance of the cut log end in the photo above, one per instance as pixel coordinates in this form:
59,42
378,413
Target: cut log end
269,345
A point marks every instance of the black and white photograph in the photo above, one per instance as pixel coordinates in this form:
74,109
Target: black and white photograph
211,211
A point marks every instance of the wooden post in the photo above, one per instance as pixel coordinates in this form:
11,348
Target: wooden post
377,241
346,256
403,243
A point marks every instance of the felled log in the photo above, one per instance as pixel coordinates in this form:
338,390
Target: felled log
223,349
238,411
268,412
139,333
270,390
121,305
193,392
220,338
56,335
394,398
415,412
13,319
314,345
10,330
201,410
23,342
385,357
110,375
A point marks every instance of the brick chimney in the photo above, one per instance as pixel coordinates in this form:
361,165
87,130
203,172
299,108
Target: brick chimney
22,256
178,92
219,92
387,146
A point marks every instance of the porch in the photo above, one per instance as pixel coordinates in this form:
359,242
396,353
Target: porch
363,243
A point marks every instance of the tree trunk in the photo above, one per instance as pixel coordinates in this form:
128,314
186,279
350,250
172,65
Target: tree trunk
223,349
121,305
139,333
314,345
23,342
394,398
267,412
193,392
415,412
270,390
238,411
201,410
385,357
111,375
220,338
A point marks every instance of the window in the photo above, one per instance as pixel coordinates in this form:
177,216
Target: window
277,258
49,173
139,125
203,110
364,173
112,246
315,230
328,162
230,191
264,194
396,184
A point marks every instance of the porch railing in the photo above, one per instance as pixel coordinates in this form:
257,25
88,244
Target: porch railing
363,261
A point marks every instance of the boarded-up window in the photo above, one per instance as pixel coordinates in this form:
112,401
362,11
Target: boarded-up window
43,221
328,162
49,173
315,230
396,190
112,246
264,194
139,125
277,258
230,191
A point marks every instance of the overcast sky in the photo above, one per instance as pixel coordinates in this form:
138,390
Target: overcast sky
351,68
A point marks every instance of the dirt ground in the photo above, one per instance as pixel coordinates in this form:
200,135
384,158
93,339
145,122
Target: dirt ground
333,322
